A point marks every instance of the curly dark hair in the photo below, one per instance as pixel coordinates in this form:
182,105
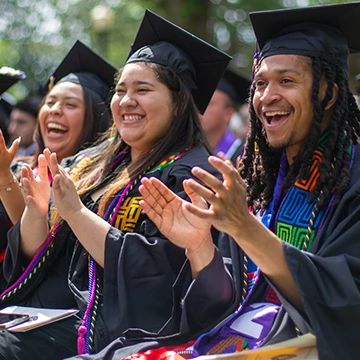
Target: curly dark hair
260,163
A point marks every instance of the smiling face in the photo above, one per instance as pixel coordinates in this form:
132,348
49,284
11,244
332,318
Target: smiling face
282,100
142,108
61,119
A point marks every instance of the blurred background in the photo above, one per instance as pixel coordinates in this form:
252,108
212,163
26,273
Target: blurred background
36,34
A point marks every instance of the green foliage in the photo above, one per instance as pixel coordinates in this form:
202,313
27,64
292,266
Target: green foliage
36,34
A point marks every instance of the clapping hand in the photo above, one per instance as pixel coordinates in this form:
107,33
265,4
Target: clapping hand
65,195
36,190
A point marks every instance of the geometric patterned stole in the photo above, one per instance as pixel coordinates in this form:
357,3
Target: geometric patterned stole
291,216
297,221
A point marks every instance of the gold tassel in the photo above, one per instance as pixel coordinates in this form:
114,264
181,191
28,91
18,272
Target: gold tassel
51,83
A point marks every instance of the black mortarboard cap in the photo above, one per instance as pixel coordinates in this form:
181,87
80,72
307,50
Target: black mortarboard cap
9,77
83,66
199,64
328,32
236,86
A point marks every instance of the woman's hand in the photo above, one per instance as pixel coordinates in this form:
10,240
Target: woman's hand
36,191
66,198
168,212
175,222
89,228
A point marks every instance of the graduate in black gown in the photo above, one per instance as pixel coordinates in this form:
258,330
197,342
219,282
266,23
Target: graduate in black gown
72,115
101,253
296,253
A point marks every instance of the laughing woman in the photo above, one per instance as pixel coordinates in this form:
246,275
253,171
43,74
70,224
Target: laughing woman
101,253
72,115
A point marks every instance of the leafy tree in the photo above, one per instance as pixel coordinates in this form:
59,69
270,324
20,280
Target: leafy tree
36,34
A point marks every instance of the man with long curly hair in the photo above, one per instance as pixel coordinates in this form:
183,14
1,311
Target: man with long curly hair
296,253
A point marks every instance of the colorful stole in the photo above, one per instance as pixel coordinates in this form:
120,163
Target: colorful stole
293,220
87,327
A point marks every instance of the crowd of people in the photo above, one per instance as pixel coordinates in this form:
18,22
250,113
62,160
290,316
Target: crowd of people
125,195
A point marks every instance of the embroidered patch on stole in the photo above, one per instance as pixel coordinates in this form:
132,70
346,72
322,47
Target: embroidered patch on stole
128,215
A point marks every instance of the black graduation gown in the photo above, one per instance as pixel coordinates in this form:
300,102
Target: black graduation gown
328,277
147,291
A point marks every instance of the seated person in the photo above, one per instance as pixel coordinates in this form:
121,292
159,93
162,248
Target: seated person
72,115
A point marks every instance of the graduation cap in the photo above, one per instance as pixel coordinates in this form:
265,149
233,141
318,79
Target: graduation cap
199,64
9,77
327,32
83,66
236,86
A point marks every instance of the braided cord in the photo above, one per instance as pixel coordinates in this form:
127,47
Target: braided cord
35,264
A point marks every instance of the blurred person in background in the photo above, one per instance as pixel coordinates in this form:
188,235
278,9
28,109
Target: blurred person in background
232,91
240,122
23,120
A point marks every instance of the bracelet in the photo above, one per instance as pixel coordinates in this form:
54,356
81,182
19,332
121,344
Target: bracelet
8,187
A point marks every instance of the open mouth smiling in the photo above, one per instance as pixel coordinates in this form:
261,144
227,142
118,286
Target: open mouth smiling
275,116
56,128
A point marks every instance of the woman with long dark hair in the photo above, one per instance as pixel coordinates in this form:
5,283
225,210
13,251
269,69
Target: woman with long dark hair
72,115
